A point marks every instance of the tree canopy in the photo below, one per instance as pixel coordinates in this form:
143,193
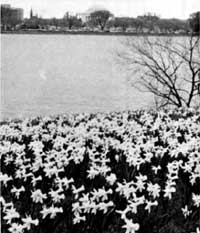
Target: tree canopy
194,22
100,18
71,21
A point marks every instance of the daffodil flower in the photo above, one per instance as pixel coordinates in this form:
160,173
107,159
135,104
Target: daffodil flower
37,196
16,228
28,221
5,179
185,211
196,199
130,226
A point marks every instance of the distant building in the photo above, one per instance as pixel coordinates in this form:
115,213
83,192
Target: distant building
11,15
17,14
31,13
85,16
6,6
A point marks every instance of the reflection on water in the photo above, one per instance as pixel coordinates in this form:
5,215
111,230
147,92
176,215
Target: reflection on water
51,74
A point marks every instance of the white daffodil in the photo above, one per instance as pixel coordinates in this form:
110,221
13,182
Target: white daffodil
197,230
20,173
44,212
8,159
2,201
196,199
52,211
148,157
37,164
185,211
123,213
120,188
66,182
193,178
133,206
5,178
186,167
141,182
153,189
101,194
149,204
16,228
57,196
104,206
37,147
5,205
156,169
117,158
76,191
77,218
28,221
93,207
76,208
130,226
128,189
11,214
27,175
168,191
111,179
37,196
17,191
35,180
86,206
84,198
51,171
92,173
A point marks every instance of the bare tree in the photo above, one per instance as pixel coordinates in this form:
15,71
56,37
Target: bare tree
168,67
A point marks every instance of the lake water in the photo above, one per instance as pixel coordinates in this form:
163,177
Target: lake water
53,74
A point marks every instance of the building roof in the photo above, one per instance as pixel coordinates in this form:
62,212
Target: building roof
6,5
95,8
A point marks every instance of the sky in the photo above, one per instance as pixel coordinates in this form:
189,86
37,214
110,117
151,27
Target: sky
57,8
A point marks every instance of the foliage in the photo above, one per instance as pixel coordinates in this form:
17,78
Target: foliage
71,21
100,18
36,23
165,66
123,22
194,21
135,171
150,22
33,23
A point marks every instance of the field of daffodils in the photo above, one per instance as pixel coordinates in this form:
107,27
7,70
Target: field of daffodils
126,172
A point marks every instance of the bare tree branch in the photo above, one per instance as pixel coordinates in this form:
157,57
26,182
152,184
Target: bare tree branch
166,67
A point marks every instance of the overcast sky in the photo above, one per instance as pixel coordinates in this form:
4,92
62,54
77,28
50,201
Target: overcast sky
56,8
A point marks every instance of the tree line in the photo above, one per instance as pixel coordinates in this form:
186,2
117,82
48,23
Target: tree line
104,20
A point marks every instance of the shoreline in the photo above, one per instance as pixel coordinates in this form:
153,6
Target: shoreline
36,32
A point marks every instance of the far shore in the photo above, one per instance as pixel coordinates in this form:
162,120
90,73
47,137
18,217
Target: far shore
39,32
